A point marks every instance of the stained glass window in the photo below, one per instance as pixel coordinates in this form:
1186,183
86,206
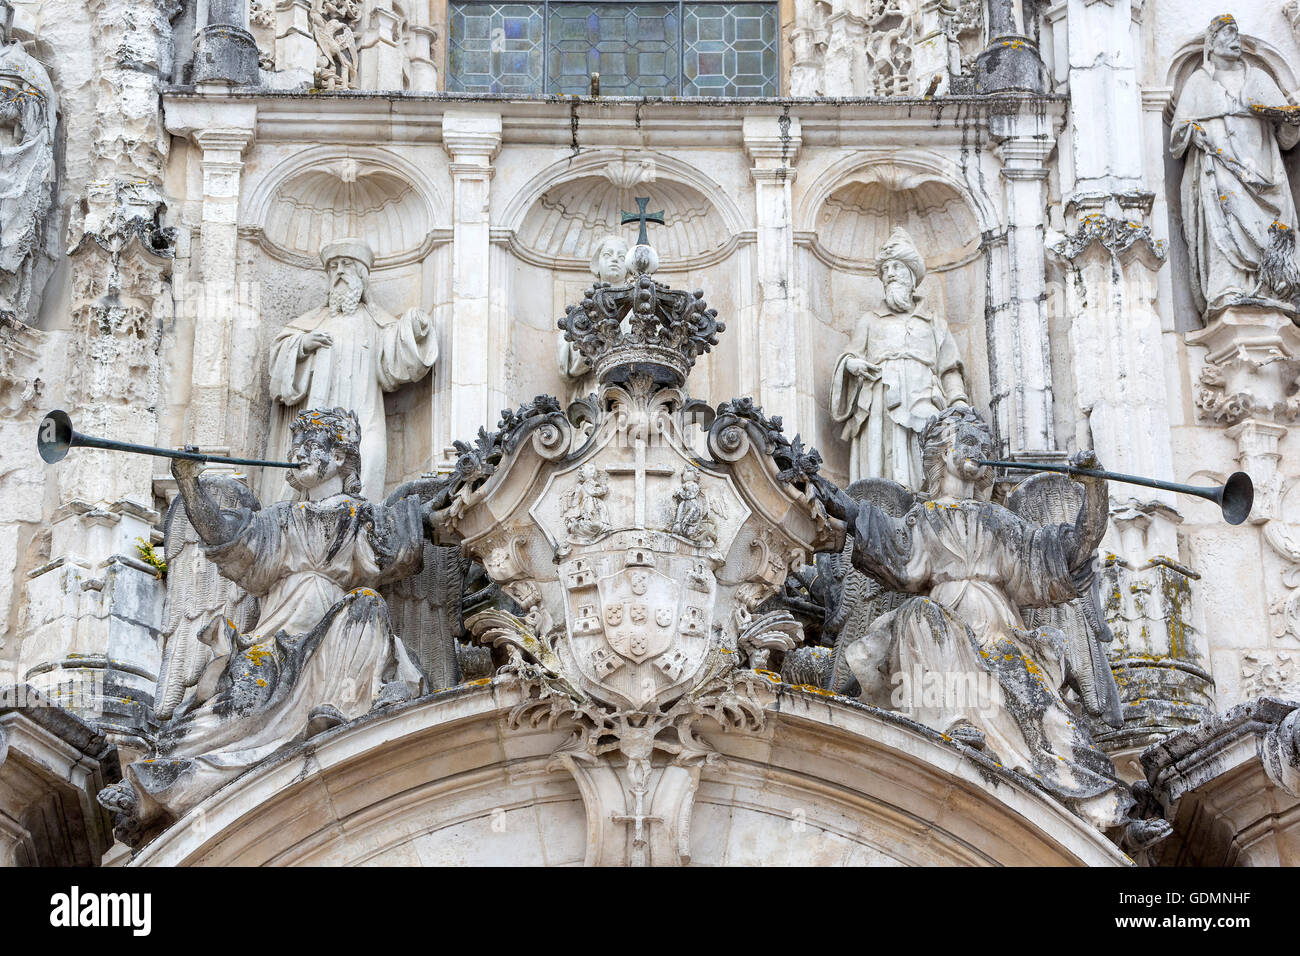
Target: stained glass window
675,48
496,48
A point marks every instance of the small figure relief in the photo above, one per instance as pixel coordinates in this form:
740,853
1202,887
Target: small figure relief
334,27
696,510
901,367
28,117
320,652
586,516
608,264
1231,124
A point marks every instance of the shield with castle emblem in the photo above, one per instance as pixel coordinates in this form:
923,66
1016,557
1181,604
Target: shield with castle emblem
640,609
639,616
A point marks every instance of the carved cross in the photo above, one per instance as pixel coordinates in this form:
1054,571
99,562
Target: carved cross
642,217
639,470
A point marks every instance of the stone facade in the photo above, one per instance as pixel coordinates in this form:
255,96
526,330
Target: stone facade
202,154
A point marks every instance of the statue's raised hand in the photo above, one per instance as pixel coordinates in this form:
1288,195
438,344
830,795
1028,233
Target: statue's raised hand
316,340
1086,458
183,469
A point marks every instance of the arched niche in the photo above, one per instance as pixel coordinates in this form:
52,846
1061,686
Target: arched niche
844,218
327,193
552,224
321,194
1188,58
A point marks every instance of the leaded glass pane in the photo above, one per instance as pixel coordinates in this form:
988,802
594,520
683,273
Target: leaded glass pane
496,48
634,47
729,49
640,49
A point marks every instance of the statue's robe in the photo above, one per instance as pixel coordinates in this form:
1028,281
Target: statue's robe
27,186
373,352
1232,193
920,375
976,563
323,639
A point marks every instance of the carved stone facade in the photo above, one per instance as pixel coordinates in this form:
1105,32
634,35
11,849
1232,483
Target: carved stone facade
633,575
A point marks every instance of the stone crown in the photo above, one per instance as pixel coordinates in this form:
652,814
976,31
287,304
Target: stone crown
641,327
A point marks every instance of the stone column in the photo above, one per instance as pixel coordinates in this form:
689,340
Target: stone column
295,46
1109,265
222,133
783,360
226,52
1011,60
476,339
935,53
93,610
381,54
1020,365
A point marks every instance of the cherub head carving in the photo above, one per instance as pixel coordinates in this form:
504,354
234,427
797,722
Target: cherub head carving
950,443
609,260
328,442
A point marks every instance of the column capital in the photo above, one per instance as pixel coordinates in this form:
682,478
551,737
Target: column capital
772,142
223,147
471,137
192,117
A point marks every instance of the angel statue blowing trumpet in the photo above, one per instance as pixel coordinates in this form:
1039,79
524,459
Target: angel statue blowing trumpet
321,650
971,570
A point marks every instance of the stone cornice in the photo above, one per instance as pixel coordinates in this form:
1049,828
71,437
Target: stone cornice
367,117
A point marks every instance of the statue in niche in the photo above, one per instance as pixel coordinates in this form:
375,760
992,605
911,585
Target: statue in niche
320,652
346,354
28,117
1231,124
608,264
901,367
969,567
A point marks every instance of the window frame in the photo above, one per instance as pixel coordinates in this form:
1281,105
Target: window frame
545,6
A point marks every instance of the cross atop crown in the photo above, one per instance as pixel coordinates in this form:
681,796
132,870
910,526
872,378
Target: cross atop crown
642,218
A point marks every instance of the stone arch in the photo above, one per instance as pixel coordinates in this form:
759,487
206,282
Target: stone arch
851,208
328,192
423,783
627,170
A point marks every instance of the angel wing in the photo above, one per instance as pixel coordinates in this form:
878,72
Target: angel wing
1054,499
426,613
196,595
426,608
862,598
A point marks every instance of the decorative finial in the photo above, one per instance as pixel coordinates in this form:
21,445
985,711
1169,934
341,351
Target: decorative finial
643,217
643,260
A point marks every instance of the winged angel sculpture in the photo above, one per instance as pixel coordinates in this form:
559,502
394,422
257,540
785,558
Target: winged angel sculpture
320,651
996,610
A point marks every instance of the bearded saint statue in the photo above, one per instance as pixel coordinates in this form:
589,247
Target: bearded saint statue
1231,124
346,354
900,368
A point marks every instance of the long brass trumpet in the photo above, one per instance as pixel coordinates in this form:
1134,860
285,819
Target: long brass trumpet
1234,497
55,436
